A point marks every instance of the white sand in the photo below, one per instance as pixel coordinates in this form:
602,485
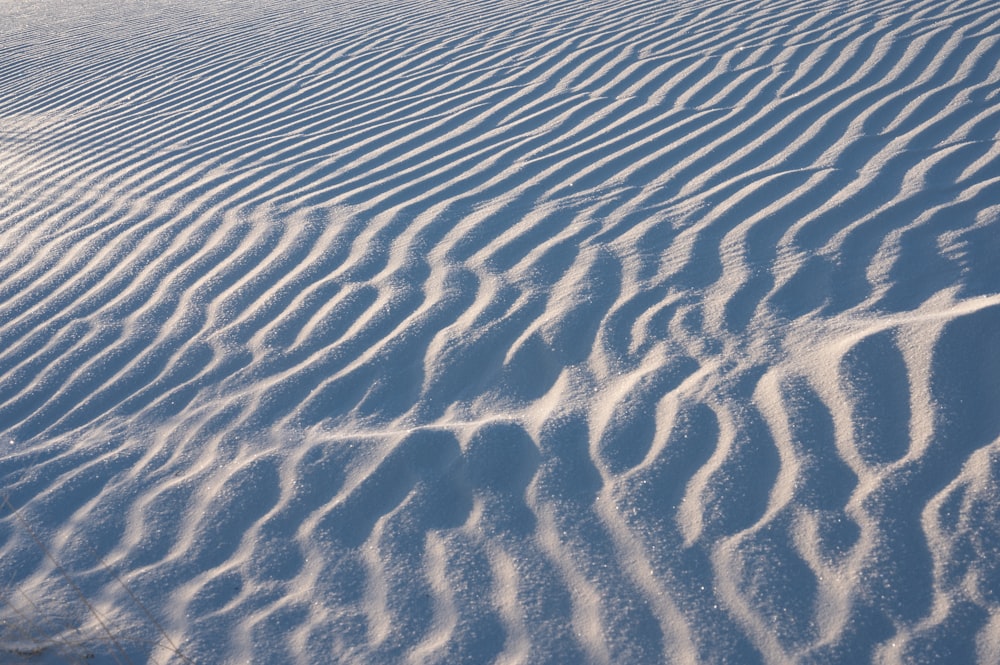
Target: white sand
500,332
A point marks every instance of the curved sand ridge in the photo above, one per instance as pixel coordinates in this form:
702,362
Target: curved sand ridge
501,332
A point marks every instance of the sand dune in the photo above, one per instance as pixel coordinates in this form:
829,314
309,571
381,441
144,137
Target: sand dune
511,332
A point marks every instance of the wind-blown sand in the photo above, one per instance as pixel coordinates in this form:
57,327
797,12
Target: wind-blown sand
500,332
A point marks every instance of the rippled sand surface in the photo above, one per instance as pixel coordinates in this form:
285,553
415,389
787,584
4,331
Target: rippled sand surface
555,331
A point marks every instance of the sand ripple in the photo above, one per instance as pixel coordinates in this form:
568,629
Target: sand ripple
501,332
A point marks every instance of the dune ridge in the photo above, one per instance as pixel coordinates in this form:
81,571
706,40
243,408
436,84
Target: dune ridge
515,332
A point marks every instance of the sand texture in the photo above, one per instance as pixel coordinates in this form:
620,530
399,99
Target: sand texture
510,331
